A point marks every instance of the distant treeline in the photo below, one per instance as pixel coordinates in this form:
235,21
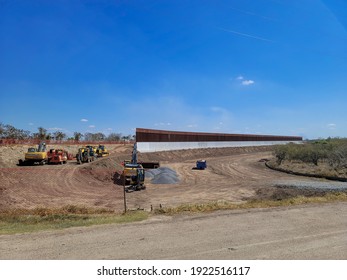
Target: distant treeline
9,132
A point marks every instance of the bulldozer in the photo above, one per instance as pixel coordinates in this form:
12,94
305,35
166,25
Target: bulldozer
35,155
102,151
134,173
85,154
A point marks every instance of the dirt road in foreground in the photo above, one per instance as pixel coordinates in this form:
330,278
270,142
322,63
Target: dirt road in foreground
305,232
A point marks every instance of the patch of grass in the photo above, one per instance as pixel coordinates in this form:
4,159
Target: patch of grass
40,219
23,221
225,205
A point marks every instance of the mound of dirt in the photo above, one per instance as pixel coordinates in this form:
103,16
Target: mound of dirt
281,193
183,155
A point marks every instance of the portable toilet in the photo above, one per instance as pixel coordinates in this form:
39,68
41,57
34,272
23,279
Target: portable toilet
201,164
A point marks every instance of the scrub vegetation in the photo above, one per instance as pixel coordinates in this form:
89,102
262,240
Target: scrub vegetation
326,157
331,150
256,203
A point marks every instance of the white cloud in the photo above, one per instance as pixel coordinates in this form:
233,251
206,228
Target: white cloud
84,120
30,123
109,129
92,126
217,109
162,124
331,126
247,82
239,78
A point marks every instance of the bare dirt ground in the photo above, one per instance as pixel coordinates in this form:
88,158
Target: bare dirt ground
233,174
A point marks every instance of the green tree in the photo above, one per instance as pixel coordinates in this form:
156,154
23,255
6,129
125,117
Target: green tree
42,133
280,153
77,136
59,135
2,131
99,136
114,137
94,136
10,132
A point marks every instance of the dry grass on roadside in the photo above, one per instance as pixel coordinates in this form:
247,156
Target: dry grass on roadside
23,221
225,205
39,219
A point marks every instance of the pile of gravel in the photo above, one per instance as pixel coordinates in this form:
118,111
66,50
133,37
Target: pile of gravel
162,175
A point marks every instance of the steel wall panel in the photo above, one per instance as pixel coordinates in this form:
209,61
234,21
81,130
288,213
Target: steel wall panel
152,135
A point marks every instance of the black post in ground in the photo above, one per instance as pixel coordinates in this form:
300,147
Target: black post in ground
124,193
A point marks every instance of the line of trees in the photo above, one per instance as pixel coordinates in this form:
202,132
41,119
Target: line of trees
10,132
331,150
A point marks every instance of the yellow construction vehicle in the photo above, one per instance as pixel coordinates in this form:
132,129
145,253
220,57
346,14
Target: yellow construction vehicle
134,173
102,151
92,148
85,154
35,155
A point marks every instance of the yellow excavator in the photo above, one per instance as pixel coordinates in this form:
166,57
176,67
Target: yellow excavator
35,155
134,173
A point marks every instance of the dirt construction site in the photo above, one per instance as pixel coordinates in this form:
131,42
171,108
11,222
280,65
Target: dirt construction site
233,174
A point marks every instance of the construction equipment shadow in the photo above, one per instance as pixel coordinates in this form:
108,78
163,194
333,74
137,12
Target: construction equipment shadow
118,178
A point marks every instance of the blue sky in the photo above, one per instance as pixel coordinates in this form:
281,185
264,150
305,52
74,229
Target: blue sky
237,66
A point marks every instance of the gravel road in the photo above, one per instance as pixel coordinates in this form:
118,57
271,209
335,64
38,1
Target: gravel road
324,185
305,232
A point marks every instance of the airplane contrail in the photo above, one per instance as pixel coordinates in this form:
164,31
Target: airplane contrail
252,14
246,35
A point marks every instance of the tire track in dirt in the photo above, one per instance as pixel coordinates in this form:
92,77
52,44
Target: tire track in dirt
226,178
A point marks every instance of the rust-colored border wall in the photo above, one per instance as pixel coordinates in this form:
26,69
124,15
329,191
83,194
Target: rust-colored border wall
153,135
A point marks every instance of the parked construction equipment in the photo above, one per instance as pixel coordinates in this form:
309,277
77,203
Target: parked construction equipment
201,164
92,148
35,155
134,173
85,154
102,151
57,156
